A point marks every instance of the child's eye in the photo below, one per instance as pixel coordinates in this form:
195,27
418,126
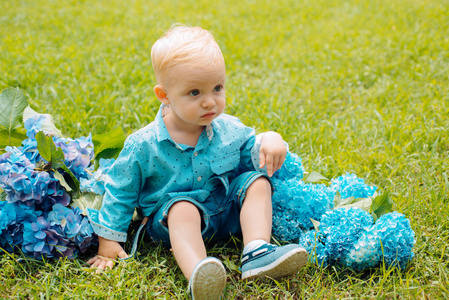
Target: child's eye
194,93
217,88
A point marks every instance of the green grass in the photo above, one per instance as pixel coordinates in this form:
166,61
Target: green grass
359,86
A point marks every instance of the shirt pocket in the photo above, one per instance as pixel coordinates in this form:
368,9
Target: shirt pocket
225,163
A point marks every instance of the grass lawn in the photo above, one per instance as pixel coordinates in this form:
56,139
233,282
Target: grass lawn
358,86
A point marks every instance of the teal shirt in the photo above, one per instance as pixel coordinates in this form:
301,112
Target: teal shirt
152,166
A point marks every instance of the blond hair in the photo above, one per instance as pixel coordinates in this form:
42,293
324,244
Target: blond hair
183,44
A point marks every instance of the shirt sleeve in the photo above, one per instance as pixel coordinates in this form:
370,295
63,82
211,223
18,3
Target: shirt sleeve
255,154
122,187
251,153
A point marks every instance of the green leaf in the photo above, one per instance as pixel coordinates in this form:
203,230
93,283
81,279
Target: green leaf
46,146
337,199
48,150
228,261
72,180
382,204
86,200
14,139
62,181
108,153
315,177
111,140
363,203
2,195
57,158
316,224
12,105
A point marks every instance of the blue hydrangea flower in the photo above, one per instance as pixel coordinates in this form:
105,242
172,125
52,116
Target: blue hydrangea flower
12,217
292,168
390,240
55,194
340,229
74,225
78,153
295,203
96,180
308,240
7,218
349,185
348,237
34,125
86,236
7,214
19,179
29,149
316,250
40,239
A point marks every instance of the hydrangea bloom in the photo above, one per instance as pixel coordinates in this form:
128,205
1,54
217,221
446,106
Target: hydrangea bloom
74,226
78,153
390,240
12,218
95,181
340,229
349,237
29,149
33,125
19,179
317,251
40,239
34,197
55,194
292,168
349,185
295,203
7,218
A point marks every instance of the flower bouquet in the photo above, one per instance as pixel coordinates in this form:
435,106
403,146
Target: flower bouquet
41,199
345,222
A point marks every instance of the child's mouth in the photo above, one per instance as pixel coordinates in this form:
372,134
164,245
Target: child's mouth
208,115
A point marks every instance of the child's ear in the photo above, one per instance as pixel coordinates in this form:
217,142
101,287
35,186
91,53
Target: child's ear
161,94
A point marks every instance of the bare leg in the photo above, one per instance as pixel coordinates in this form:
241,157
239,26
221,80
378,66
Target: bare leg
184,225
256,213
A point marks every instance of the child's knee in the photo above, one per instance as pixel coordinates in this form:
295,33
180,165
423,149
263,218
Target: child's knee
262,185
184,210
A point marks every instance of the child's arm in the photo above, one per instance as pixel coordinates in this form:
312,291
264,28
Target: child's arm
272,152
108,251
111,222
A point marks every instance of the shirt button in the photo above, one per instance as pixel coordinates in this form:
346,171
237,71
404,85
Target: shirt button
196,153
199,178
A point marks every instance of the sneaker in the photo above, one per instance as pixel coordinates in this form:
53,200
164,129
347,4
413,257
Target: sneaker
272,261
208,279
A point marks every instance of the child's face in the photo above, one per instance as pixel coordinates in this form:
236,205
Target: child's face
196,94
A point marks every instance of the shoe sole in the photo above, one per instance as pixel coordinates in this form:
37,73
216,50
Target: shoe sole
209,280
288,264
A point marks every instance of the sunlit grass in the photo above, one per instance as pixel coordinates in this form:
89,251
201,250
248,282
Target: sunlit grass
358,86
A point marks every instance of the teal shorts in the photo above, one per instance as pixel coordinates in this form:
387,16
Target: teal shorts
220,211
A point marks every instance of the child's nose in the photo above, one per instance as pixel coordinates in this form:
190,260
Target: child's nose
208,101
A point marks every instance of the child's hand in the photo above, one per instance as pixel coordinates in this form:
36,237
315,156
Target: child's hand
108,251
272,152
